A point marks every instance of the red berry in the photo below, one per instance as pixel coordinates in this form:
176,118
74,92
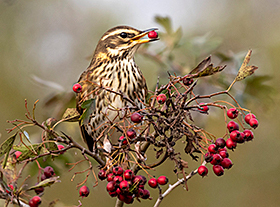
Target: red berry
254,123
128,174
131,133
187,81
248,135
128,199
222,149
118,179
48,172
226,163
141,186
218,170
208,157
124,186
113,193
152,34
232,126
161,98
162,180
9,189
118,170
18,153
84,191
35,201
146,194
248,117
111,186
43,177
136,117
220,143
241,138
202,170
232,113
140,192
143,180
39,190
216,159
223,153
123,140
231,144
212,148
77,88
153,183
60,147
119,191
203,108
234,135
102,175
121,196
110,177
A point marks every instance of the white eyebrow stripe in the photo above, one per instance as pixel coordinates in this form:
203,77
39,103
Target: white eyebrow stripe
116,32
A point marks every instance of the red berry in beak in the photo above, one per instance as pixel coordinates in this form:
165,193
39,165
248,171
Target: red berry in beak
153,34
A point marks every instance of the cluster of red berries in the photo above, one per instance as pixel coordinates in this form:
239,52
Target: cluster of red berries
127,186
217,153
36,200
124,184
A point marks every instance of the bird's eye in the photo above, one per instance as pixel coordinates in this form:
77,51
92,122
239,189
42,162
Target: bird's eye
123,35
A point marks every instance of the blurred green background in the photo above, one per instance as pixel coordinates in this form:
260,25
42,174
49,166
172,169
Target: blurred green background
52,40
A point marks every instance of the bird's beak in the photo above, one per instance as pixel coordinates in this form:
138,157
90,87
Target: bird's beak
137,39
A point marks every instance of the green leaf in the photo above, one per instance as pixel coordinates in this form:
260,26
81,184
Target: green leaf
245,69
71,115
29,151
50,145
45,183
165,22
89,106
6,146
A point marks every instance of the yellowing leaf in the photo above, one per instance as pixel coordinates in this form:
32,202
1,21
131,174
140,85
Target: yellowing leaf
71,115
7,144
45,183
27,152
245,69
5,147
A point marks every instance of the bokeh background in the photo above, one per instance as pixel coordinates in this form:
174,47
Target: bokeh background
45,45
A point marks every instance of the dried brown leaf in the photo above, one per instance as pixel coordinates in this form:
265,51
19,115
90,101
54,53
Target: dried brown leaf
245,69
205,68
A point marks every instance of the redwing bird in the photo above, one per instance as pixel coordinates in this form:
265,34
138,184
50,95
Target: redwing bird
112,66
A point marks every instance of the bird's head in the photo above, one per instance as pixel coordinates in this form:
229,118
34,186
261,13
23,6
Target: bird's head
120,42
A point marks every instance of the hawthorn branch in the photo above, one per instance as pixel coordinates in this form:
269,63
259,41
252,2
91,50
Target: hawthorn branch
175,185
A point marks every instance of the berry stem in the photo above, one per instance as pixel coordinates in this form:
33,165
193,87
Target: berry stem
172,187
